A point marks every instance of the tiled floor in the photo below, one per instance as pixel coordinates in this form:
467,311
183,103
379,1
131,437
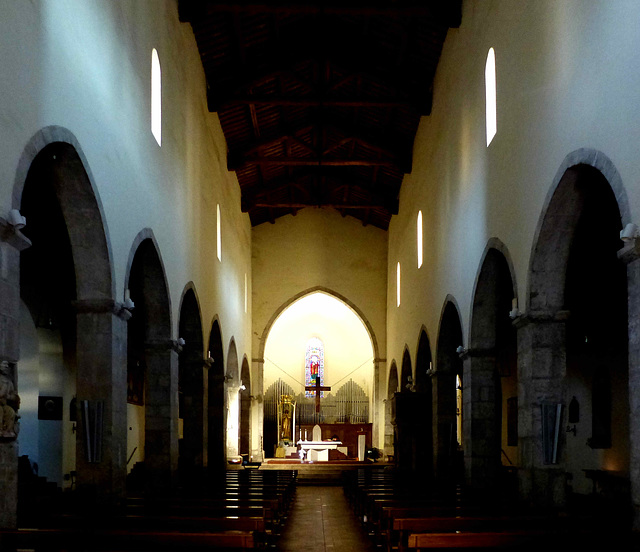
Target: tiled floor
321,520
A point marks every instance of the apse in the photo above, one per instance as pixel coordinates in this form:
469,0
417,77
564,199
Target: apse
348,351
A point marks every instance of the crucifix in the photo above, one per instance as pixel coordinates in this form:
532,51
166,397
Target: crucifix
317,388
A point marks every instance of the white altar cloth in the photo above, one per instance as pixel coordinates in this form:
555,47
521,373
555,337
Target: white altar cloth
318,450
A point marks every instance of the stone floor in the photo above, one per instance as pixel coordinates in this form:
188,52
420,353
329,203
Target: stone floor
321,520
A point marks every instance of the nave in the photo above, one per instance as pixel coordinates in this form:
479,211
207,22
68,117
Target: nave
366,510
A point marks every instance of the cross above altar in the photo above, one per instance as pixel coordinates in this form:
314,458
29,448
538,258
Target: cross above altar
317,388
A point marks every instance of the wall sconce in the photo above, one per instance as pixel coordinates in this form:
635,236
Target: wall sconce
629,232
181,342
461,350
242,387
16,220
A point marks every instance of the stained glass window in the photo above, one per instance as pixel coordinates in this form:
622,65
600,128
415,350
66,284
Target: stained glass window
314,365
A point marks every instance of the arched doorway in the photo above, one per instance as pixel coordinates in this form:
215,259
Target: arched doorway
75,327
448,381
152,368
490,377
191,378
244,444
574,341
217,422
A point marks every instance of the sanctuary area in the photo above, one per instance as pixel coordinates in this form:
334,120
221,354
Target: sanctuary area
387,249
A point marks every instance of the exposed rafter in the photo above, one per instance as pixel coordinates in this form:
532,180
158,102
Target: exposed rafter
320,101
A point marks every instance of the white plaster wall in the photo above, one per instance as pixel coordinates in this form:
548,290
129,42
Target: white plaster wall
567,79
85,65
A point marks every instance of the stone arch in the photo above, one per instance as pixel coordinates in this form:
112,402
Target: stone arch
448,366
244,441
424,362
392,389
191,374
576,318
423,387
232,372
406,372
217,409
490,370
56,150
53,179
328,291
232,398
393,381
152,360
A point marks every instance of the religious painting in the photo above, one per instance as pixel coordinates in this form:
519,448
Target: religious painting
314,365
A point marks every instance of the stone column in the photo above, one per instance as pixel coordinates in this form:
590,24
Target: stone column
257,410
161,415
195,414
541,379
102,378
480,428
444,426
377,403
12,241
630,255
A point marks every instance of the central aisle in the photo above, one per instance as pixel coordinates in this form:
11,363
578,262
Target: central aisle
321,520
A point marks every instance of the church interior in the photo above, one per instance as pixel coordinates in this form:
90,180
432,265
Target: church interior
292,246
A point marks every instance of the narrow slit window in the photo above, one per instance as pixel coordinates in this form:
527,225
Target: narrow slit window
246,287
156,97
398,283
218,234
419,231
490,90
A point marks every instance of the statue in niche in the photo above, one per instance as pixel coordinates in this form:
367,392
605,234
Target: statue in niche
9,403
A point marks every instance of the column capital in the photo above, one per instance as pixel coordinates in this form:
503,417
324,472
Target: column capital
163,345
630,252
11,235
101,306
541,317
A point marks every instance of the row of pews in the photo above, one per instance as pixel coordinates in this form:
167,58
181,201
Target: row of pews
400,515
245,511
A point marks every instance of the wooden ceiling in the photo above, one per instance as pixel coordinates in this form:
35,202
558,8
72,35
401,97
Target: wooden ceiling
320,102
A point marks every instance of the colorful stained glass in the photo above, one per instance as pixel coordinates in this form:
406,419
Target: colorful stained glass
314,365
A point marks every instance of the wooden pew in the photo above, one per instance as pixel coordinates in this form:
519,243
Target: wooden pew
54,540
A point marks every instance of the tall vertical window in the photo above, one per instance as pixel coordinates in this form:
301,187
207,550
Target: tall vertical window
490,95
419,240
218,234
156,97
245,292
398,283
314,365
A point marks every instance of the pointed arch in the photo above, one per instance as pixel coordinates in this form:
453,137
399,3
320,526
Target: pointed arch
191,373
448,368
406,373
328,291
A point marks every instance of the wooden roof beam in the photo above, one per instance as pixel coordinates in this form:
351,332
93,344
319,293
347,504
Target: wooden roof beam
439,10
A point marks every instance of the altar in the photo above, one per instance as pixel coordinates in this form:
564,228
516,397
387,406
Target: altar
317,450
